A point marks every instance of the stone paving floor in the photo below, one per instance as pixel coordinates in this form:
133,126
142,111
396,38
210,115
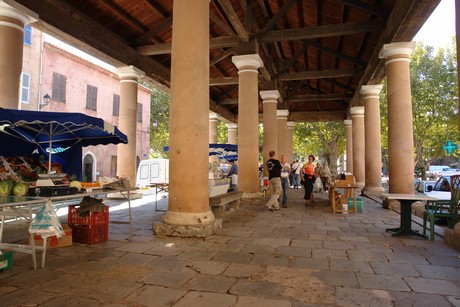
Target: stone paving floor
292,257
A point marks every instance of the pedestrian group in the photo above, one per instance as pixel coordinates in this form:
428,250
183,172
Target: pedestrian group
282,176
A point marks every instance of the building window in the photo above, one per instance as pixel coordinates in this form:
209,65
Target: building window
28,35
25,87
91,97
59,87
116,105
139,112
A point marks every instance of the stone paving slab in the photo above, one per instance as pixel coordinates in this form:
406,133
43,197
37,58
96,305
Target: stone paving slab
293,257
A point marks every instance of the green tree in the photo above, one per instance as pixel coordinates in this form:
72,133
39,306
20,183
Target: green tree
159,123
325,140
434,101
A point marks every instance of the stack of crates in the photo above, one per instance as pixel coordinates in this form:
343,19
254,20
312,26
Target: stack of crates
91,229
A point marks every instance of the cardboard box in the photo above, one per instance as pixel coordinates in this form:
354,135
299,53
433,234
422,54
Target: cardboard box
54,242
6,261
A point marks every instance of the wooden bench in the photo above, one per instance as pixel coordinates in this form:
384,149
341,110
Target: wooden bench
219,202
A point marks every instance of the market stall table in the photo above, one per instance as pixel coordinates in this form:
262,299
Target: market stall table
406,201
349,192
22,206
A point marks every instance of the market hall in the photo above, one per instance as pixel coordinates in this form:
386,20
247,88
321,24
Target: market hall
234,78
243,51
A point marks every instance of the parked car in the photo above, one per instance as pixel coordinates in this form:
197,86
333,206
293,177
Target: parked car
441,189
424,186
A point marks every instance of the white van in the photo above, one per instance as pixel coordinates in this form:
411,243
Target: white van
152,171
440,170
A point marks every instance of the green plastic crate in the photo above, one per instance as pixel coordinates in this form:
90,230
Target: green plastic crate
6,260
359,204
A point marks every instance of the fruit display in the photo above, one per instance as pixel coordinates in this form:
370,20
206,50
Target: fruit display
26,169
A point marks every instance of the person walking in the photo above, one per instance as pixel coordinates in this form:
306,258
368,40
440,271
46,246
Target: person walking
325,174
274,176
233,174
296,166
285,173
308,180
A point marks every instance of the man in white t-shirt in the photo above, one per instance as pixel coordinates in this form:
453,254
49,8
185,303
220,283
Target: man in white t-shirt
296,166
285,172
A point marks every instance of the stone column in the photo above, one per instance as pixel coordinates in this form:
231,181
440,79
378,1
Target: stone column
231,133
373,147
248,126
127,122
13,18
400,130
290,142
188,212
281,116
269,100
213,134
357,117
349,144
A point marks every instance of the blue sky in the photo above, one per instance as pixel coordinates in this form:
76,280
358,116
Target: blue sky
440,27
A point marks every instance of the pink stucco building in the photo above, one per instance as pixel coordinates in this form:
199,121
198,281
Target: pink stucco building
78,85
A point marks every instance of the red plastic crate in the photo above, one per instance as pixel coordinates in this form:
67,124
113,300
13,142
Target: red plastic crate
90,235
91,229
93,218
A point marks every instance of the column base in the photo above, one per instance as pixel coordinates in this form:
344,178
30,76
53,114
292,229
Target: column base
187,231
360,185
187,224
372,191
251,198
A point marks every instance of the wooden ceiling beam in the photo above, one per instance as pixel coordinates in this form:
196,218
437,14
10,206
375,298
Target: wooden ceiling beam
214,43
234,20
274,36
340,55
317,116
369,8
155,9
271,23
319,74
222,55
322,31
154,30
319,97
222,25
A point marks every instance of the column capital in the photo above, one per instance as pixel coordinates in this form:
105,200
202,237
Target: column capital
269,96
129,72
247,62
290,125
357,112
282,114
213,116
401,50
232,126
17,11
348,122
371,90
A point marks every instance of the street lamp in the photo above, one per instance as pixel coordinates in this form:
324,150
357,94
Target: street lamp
46,100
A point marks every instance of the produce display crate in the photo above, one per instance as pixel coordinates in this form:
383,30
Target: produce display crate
6,261
90,235
91,229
